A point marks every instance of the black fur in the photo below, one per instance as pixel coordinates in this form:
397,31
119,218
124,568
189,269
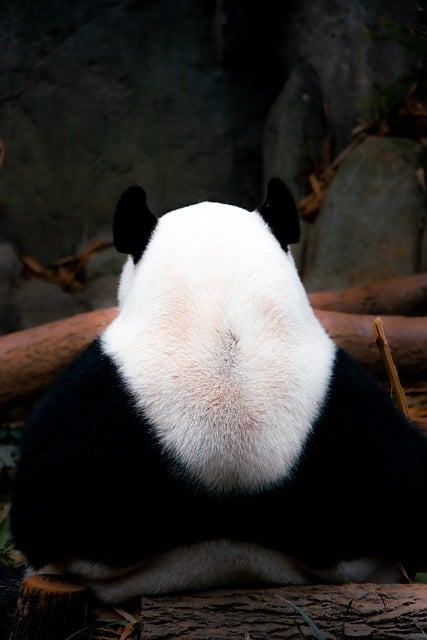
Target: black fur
94,483
133,223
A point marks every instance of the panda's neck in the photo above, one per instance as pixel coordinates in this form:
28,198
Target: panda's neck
232,403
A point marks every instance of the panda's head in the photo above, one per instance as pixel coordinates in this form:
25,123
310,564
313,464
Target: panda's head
193,228
215,337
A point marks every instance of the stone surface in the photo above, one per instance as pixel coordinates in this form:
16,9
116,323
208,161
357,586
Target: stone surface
423,247
38,302
329,34
370,224
101,293
10,269
295,130
102,272
187,99
293,137
95,97
104,263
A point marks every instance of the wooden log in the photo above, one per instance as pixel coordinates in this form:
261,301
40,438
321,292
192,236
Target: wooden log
31,359
383,612
50,608
407,338
406,296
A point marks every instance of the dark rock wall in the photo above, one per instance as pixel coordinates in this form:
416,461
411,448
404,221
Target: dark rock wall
97,95
193,100
329,34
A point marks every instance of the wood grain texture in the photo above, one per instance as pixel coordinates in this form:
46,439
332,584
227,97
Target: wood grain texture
383,612
407,337
49,609
31,359
406,296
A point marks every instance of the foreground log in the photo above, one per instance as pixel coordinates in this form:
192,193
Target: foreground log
406,296
383,612
30,359
49,609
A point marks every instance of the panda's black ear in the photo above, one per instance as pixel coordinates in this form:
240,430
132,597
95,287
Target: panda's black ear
133,222
280,213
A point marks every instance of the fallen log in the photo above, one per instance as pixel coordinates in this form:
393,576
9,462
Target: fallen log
407,338
392,612
31,359
406,296
383,612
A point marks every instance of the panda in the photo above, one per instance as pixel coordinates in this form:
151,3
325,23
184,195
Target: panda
214,434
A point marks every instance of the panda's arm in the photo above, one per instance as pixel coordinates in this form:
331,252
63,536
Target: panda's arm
84,456
365,471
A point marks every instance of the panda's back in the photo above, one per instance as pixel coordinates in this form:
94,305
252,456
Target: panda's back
212,354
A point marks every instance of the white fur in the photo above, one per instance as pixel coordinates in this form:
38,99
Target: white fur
212,564
218,343
222,352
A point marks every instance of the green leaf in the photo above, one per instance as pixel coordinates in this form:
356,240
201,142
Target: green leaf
5,534
421,577
307,619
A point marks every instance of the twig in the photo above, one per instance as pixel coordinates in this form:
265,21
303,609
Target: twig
383,346
64,272
126,615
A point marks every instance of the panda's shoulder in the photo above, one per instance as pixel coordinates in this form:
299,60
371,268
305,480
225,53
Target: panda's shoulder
359,407
355,391
88,397
90,373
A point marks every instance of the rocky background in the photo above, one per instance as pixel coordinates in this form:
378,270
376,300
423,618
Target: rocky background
206,100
